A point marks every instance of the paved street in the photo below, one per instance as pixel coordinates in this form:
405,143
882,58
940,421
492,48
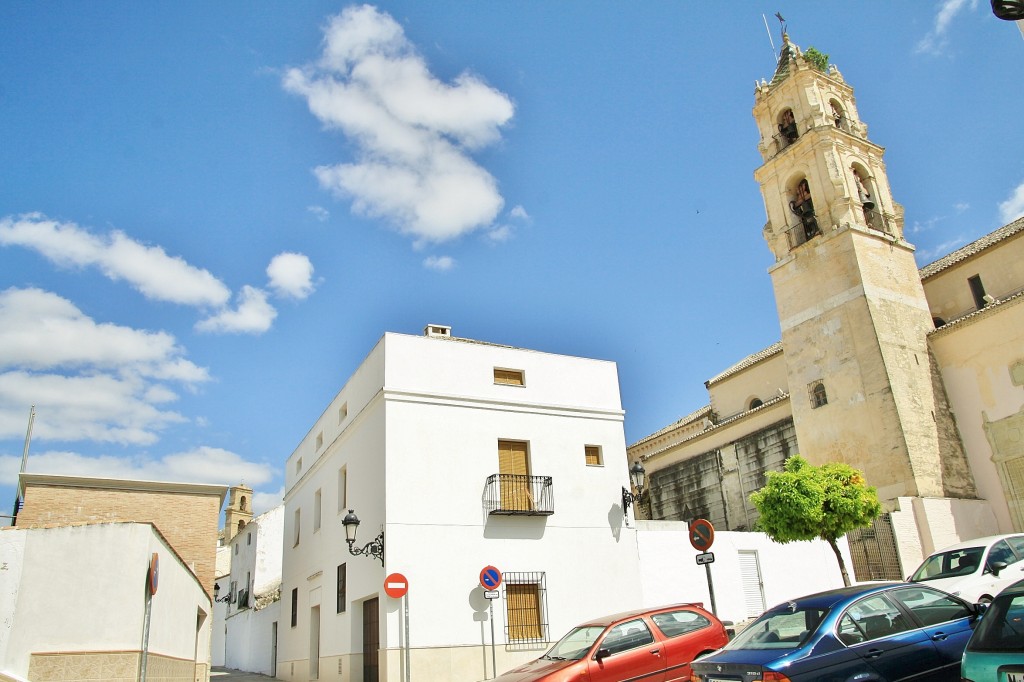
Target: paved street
227,674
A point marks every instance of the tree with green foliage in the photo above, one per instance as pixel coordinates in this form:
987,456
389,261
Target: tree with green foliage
805,502
818,59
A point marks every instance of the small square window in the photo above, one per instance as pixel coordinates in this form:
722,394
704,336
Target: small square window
342,412
298,466
592,454
319,440
509,377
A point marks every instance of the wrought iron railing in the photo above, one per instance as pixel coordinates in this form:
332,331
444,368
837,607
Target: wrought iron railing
513,494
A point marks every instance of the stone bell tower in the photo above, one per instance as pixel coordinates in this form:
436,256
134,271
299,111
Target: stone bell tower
863,386
238,513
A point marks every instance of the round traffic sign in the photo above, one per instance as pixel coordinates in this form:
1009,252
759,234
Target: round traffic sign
154,573
396,585
490,578
702,534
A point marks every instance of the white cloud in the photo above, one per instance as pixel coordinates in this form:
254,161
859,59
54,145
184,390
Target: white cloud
291,275
148,269
106,408
263,502
1013,208
519,213
41,330
319,212
252,315
100,382
200,465
500,233
439,263
935,40
413,131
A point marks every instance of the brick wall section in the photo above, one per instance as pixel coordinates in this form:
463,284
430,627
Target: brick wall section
189,521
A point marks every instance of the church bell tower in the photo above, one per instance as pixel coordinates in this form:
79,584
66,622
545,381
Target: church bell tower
863,386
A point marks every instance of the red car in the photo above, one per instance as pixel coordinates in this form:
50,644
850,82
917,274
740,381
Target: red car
647,644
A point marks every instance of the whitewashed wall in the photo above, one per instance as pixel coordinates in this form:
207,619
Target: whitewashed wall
82,588
670,574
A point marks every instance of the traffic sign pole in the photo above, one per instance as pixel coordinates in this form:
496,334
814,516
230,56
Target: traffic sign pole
711,590
490,580
702,536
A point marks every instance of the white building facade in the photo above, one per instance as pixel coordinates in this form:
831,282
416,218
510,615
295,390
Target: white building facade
253,588
464,455
55,625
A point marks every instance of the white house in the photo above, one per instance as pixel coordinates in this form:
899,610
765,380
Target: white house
253,590
56,626
460,455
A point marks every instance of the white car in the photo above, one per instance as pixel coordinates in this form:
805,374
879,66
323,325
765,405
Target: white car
975,570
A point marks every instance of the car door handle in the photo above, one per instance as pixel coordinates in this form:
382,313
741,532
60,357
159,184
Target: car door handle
873,653
939,636
656,652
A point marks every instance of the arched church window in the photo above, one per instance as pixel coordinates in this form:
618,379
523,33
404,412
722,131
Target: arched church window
803,207
787,128
241,504
818,396
241,525
756,402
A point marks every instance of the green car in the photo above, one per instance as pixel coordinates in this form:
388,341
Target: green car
995,652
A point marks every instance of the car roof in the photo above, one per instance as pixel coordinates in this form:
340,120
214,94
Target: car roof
1013,590
840,595
625,615
976,542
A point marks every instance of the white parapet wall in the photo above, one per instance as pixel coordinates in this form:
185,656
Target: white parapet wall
669,572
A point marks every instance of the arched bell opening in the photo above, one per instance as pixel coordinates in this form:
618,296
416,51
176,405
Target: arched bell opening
864,185
839,118
787,128
802,205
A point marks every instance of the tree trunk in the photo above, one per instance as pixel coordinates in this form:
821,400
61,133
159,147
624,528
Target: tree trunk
839,558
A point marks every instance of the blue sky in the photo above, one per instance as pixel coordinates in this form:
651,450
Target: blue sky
210,212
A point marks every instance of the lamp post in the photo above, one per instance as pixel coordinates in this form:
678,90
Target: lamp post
374,548
637,477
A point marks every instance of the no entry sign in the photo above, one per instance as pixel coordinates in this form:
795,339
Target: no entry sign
702,534
396,585
490,578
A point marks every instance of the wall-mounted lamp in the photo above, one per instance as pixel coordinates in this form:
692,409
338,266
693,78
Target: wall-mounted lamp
1010,10
374,548
216,594
637,476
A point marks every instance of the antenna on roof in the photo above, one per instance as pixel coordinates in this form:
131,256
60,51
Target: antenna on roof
768,31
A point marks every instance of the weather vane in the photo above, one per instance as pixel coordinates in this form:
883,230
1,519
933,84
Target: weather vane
782,21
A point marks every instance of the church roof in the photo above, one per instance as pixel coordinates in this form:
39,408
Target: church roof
746,362
972,249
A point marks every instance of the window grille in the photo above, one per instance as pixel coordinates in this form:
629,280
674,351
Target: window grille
874,552
526,621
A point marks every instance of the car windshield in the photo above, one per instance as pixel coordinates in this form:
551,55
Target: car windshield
1002,626
955,562
576,644
781,628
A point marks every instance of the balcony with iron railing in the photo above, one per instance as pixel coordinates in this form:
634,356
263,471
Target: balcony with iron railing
518,495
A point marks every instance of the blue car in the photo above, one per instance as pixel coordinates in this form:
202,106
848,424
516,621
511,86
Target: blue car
878,632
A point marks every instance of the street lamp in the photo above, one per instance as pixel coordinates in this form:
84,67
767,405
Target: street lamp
216,594
637,476
374,548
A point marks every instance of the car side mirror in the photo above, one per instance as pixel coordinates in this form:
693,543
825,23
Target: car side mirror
980,608
997,566
602,654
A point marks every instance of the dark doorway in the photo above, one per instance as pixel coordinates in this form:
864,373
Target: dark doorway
371,641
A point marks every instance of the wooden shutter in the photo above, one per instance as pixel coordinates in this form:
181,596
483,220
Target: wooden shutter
514,467
523,601
592,454
510,377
